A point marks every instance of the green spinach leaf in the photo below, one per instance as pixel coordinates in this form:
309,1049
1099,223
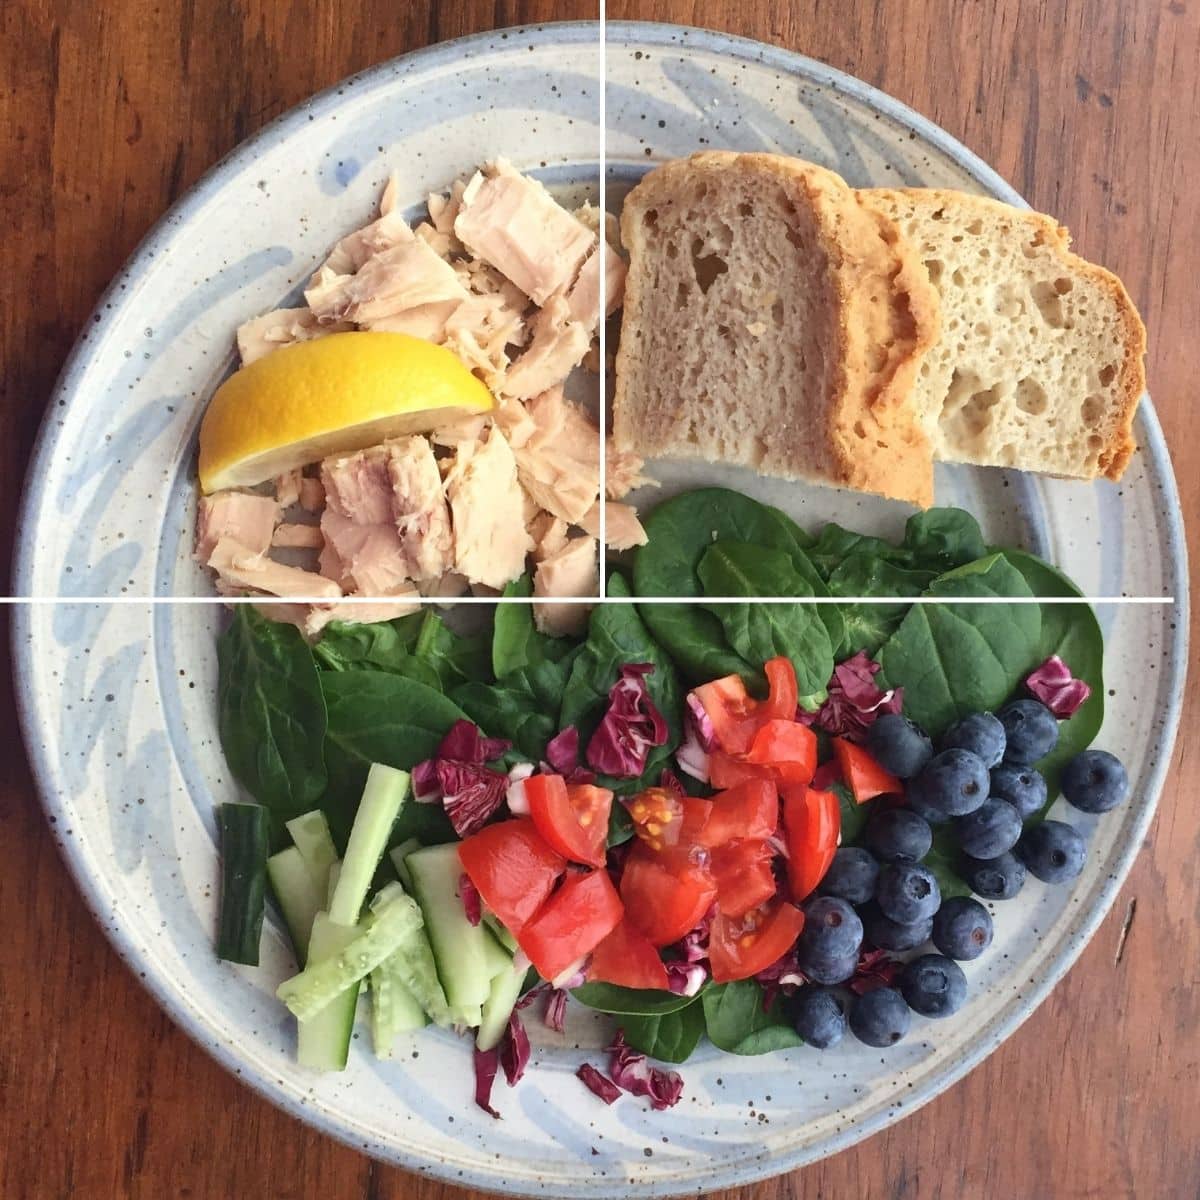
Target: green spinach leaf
376,717
942,538
736,1020
854,816
516,642
623,1001
456,658
271,714
942,861
960,657
670,1036
868,626
759,632
834,545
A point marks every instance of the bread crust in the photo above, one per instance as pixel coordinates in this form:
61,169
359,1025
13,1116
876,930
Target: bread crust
883,317
1119,443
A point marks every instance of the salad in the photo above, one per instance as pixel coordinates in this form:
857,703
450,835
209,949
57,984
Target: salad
765,824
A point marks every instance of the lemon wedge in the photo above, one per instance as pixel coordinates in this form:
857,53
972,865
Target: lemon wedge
336,393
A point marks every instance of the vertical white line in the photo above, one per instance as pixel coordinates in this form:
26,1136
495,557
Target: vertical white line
602,250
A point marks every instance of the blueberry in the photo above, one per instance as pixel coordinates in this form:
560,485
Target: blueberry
879,1018
990,830
999,878
1095,781
829,970
933,985
1023,787
898,745
1053,851
852,875
962,928
887,934
953,783
832,934
932,815
819,1016
1031,729
898,834
981,733
907,893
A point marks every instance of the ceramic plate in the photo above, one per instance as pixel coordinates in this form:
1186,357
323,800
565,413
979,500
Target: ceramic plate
117,702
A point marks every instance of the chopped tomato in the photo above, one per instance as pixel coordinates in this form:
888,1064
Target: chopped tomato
865,777
742,872
725,771
748,810
732,711
572,923
787,747
739,947
666,893
812,821
572,818
657,815
512,868
781,703
626,958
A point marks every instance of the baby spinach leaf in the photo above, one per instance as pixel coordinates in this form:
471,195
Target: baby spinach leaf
868,626
623,1001
1072,632
695,640
271,713
378,645
669,1036
942,861
834,545
737,1022
516,641
456,658
854,816
942,538
759,632
376,717
801,537
957,658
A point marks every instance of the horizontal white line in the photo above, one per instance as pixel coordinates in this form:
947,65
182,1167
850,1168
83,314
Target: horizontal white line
450,602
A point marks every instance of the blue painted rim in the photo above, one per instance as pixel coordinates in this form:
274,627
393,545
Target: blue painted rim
655,35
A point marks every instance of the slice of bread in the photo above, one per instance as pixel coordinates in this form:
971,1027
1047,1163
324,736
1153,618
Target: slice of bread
772,320
1039,362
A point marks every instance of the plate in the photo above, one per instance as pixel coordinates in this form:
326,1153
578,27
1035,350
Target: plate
116,701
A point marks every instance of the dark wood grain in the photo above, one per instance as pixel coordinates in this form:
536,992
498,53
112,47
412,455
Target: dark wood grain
107,112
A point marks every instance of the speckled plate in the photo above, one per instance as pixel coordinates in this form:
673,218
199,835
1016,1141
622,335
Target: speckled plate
117,701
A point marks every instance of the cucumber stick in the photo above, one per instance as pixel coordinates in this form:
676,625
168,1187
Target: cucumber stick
299,897
323,1041
459,948
398,854
391,924
377,811
245,833
504,991
394,1009
310,835
501,934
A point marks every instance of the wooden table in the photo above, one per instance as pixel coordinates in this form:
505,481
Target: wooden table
109,111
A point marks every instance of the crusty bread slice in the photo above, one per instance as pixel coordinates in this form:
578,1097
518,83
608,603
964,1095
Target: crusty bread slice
772,320
1039,362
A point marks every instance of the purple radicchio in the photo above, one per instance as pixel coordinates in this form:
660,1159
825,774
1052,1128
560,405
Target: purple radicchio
555,1015
686,978
876,969
1054,685
783,975
598,1083
634,1073
471,902
469,791
486,1063
630,728
699,738
562,757
854,701
514,1050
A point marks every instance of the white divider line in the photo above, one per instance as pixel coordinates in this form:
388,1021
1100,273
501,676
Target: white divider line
602,250
455,601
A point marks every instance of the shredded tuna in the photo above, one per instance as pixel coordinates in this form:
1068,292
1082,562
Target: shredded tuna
557,345
513,223
319,615
549,534
622,529
571,571
257,338
419,508
297,537
243,517
559,462
583,300
623,473
287,488
238,566
312,494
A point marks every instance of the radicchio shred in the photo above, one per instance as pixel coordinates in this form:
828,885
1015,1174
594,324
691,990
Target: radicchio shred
562,757
471,902
630,728
1054,685
876,969
633,1072
854,701
514,1050
556,1010
486,1063
599,1084
782,976
699,738
469,791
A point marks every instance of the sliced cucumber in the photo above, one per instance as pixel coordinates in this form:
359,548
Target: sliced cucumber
388,928
394,1009
497,958
299,898
502,998
310,835
377,810
245,833
335,873
459,948
414,966
398,854
498,931
323,1041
